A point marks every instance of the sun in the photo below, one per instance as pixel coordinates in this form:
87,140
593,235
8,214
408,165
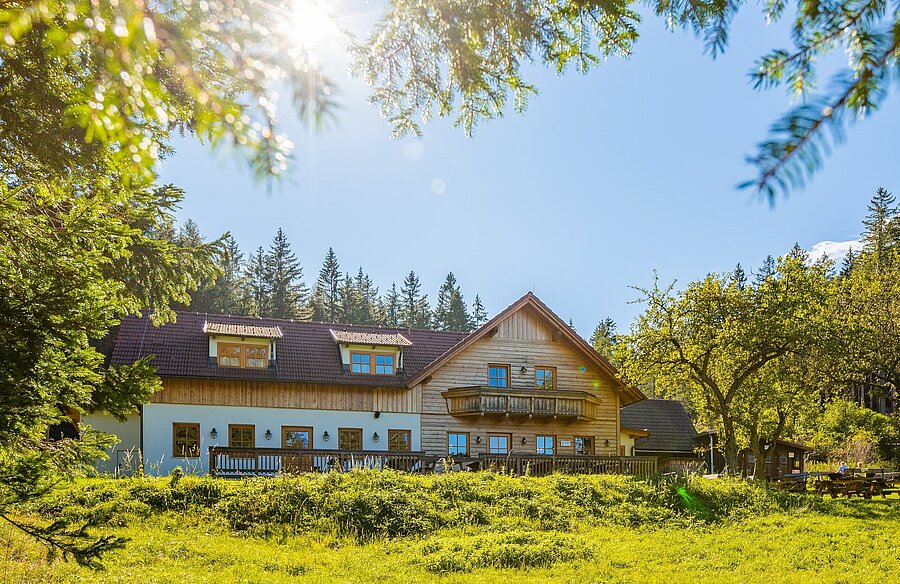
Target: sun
311,23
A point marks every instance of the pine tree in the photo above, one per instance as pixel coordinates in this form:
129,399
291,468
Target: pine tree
766,271
458,318
391,307
414,309
442,307
572,326
479,314
288,294
189,234
256,284
847,264
349,301
367,295
226,291
604,338
326,298
739,277
202,299
882,227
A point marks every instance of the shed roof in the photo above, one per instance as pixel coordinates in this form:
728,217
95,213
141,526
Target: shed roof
670,426
242,330
385,339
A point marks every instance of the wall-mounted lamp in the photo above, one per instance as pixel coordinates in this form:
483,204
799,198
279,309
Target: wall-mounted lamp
377,414
375,437
325,436
524,441
213,433
477,439
607,441
524,370
268,434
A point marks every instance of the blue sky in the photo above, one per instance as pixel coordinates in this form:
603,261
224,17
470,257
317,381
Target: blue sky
604,179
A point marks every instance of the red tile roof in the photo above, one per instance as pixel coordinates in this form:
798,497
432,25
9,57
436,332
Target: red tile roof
385,339
306,353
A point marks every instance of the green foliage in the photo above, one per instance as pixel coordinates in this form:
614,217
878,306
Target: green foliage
846,428
743,355
369,505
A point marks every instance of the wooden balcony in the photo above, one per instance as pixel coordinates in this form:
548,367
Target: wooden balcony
539,465
237,462
480,400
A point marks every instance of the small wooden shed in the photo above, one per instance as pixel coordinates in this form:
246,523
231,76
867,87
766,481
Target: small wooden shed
786,458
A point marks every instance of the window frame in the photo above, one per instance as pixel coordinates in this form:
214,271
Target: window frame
286,429
242,357
373,362
357,431
184,453
400,431
593,445
251,427
506,435
553,379
498,366
468,451
553,444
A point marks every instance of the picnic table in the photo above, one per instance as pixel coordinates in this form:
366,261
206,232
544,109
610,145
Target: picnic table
865,483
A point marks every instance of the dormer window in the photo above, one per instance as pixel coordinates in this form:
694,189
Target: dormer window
363,362
244,356
360,362
370,353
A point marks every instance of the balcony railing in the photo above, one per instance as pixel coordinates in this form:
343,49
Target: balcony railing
483,400
226,461
542,464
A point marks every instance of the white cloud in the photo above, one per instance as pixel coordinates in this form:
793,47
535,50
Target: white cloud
836,250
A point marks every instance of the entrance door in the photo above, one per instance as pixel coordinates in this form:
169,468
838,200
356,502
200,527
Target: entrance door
297,438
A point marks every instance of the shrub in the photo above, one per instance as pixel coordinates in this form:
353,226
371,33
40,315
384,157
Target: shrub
502,550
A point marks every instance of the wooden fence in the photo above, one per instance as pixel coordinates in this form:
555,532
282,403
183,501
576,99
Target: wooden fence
237,462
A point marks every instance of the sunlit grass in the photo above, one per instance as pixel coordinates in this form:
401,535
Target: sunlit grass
830,543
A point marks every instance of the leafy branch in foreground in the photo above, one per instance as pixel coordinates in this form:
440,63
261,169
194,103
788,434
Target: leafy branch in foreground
464,59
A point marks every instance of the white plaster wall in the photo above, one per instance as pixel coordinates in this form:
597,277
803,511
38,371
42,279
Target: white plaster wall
124,456
158,420
628,442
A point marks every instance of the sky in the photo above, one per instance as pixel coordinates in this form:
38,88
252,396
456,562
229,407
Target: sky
605,179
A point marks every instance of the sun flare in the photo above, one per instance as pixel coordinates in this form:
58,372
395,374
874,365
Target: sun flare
311,23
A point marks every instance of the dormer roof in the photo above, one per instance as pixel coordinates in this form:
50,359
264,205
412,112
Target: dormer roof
382,339
242,330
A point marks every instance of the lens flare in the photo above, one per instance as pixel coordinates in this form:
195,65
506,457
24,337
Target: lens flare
311,23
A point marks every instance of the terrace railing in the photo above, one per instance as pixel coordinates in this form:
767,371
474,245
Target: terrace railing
546,464
233,462
479,400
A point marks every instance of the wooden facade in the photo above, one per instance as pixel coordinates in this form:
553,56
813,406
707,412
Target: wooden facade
522,341
279,394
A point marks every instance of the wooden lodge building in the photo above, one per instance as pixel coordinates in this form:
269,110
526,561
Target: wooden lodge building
245,395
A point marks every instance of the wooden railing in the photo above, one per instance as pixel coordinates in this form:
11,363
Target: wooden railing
543,464
225,461
485,400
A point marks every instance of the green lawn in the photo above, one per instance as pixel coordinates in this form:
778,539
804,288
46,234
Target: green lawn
839,541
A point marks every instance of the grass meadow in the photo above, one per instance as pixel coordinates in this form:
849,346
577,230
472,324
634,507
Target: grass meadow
468,527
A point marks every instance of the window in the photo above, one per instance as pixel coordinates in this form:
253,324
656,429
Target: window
545,377
185,440
241,435
296,437
584,445
384,364
399,440
350,438
243,356
498,375
360,363
545,445
499,443
458,444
